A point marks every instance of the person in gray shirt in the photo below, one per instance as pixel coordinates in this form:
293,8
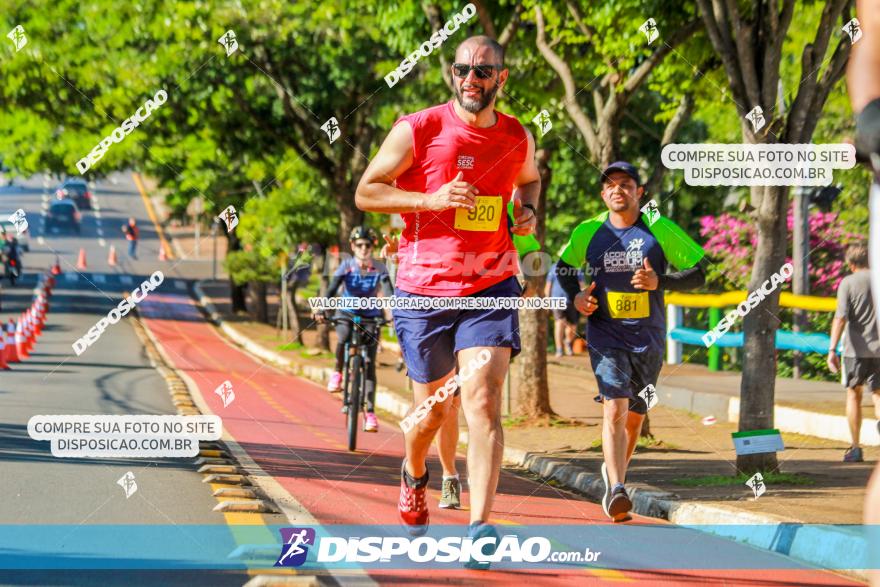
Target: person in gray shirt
855,320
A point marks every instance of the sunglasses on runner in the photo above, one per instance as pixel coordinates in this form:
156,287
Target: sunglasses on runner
361,245
481,71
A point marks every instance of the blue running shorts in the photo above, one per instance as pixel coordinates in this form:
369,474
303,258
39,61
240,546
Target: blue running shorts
622,374
430,339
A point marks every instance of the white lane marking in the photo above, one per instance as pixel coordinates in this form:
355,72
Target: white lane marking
127,279
45,206
71,276
99,278
102,242
97,214
41,240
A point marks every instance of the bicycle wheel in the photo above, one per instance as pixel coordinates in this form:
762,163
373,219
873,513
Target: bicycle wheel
356,370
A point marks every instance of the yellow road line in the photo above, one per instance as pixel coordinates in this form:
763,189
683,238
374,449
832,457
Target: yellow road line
152,214
610,575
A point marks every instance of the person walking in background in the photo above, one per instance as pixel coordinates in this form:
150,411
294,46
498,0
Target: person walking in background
565,322
132,233
861,345
863,84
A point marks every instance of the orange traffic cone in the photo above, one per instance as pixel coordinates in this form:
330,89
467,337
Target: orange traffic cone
28,330
3,364
38,323
11,352
20,341
56,268
41,315
81,262
111,258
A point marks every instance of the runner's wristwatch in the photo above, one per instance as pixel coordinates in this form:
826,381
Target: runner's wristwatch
532,208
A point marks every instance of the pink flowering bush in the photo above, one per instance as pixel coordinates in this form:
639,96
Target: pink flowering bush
731,240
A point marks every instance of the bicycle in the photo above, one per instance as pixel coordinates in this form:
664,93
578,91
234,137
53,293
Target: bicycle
355,367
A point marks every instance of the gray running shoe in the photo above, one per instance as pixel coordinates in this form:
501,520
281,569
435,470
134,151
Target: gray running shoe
619,505
853,455
450,494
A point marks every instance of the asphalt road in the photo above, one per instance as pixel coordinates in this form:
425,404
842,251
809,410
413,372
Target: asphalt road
111,377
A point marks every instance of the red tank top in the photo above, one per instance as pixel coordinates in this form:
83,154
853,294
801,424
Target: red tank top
452,253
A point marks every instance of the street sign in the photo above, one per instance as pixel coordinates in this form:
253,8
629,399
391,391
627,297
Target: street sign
757,441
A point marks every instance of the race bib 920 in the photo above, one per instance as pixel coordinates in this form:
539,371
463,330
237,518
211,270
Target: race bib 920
628,304
485,217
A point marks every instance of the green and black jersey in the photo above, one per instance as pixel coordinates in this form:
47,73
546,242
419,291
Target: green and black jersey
628,318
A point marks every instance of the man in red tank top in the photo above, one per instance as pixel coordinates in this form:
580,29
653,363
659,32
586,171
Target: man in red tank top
450,171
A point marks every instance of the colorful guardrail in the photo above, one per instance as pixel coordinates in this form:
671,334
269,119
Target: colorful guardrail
677,335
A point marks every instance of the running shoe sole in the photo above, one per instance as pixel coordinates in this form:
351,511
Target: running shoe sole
619,507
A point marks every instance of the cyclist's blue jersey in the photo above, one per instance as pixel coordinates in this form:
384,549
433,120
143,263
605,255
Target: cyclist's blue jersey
360,284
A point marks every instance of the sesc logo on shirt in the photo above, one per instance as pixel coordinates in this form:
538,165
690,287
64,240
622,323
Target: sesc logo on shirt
465,162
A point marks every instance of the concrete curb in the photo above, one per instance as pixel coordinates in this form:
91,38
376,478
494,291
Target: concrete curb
818,545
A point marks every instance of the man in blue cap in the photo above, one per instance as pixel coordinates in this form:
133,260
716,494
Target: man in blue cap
628,254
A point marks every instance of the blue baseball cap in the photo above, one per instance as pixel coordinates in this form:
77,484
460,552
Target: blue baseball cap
624,167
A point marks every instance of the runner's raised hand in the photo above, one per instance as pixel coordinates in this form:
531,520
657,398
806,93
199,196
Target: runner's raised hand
585,303
455,194
524,219
389,249
645,277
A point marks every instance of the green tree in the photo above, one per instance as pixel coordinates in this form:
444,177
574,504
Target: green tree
748,38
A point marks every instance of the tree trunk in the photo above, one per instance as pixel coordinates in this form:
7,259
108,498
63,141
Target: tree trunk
533,394
261,307
236,292
349,214
759,358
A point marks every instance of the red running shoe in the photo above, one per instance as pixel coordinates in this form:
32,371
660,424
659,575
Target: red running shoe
412,506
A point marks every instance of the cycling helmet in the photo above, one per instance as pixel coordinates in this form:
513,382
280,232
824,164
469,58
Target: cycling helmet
363,231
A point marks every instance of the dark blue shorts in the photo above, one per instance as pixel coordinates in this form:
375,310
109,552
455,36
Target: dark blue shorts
624,374
430,339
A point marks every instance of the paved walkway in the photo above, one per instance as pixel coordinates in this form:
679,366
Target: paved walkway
686,449
293,429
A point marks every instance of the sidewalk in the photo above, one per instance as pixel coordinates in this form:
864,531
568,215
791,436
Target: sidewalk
662,475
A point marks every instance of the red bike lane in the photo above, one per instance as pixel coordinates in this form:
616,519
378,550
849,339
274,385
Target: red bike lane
295,432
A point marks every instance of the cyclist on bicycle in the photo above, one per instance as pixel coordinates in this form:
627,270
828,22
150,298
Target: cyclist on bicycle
359,276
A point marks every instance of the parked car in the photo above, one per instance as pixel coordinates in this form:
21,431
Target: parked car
7,226
63,213
76,190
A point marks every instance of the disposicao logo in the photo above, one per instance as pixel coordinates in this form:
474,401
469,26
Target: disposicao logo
294,550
